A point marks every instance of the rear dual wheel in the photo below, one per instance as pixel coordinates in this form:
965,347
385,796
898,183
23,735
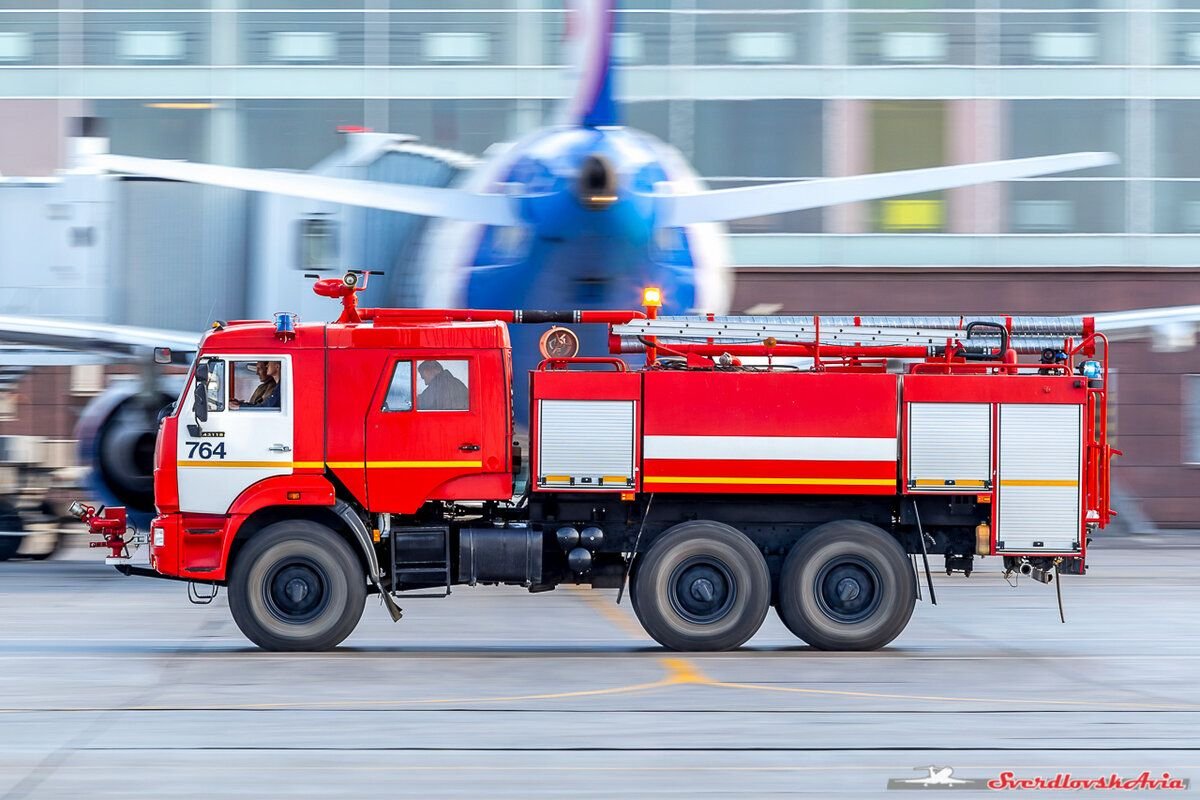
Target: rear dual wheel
846,585
701,586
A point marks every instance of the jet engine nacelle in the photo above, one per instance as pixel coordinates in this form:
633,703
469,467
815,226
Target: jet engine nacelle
116,434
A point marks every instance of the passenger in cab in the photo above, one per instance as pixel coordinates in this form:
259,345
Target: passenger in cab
443,391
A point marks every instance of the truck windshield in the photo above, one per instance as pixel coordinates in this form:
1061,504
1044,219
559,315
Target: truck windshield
216,380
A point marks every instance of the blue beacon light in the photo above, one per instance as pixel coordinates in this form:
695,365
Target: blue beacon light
285,325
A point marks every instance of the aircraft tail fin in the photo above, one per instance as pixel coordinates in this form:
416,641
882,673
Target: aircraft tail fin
590,38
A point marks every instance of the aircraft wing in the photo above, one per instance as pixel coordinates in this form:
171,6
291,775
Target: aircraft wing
719,205
1174,325
120,341
426,201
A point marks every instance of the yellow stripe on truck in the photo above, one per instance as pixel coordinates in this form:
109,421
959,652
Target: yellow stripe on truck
254,464
705,479
333,464
402,464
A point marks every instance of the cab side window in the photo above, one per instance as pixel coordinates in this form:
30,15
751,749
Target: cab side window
400,390
255,385
443,385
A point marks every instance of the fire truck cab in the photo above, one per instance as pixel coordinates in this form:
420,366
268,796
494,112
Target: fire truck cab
803,463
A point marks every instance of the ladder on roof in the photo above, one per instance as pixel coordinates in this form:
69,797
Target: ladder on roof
1028,334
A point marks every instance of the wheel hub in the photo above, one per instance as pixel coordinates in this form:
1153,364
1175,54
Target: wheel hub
296,591
702,590
848,590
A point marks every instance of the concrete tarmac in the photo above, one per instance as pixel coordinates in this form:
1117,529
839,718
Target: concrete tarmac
117,687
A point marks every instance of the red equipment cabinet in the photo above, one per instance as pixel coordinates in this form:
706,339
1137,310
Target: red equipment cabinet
796,460
788,432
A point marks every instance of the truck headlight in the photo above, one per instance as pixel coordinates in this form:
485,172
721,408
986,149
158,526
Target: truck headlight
159,537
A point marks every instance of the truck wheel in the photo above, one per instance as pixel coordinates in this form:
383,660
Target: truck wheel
631,590
297,585
702,586
847,585
12,528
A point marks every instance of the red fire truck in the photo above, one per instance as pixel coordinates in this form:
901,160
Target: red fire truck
810,463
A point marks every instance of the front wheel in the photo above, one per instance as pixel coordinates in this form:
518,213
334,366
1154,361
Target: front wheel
295,586
846,585
702,586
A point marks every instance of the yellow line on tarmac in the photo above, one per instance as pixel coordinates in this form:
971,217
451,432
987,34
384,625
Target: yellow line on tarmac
679,670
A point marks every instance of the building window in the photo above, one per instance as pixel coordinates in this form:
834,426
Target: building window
1191,419
318,243
303,47
87,379
8,406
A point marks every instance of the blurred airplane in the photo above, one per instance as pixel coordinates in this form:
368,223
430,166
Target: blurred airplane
586,212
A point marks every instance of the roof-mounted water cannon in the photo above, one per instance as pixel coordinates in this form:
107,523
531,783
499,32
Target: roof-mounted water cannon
347,288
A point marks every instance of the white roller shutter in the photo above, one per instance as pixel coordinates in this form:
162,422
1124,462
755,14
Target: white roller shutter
585,444
1038,502
949,446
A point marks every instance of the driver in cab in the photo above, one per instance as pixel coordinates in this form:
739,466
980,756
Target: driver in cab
266,394
443,391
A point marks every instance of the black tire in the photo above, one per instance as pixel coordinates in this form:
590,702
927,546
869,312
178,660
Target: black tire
702,586
9,545
10,521
846,585
297,586
631,588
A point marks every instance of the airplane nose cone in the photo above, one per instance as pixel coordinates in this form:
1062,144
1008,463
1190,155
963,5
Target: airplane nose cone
597,183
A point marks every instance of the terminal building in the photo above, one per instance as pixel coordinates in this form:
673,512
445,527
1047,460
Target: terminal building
751,92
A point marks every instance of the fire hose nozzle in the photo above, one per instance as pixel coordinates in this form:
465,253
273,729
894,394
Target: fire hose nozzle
1042,576
108,523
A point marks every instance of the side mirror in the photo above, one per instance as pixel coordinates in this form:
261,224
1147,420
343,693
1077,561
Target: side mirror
200,394
162,355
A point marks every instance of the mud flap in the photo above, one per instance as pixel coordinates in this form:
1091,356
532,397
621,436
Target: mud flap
364,541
